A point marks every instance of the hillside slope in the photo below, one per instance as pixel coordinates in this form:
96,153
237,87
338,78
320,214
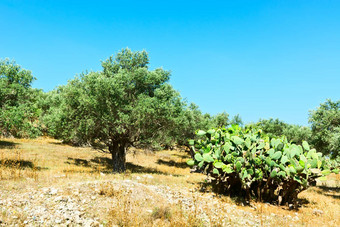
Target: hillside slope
46,183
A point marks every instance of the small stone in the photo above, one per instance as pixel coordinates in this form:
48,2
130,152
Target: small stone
93,197
53,191
15,217
58,221
59,198
296,218
317,212
95,224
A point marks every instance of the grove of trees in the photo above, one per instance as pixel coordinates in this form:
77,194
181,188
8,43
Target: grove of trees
127,104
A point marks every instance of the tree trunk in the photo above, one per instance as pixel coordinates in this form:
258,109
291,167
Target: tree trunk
118,152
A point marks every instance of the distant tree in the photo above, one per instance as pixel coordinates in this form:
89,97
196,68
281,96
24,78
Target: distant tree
277,128
192,119
325,121
125,104
272,127
297,134
221,120
19,112
236,120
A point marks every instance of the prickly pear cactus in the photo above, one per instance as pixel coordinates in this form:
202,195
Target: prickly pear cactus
248,162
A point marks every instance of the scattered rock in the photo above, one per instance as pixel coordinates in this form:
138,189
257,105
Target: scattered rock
59,198
296,218
53,191
317,212
95,224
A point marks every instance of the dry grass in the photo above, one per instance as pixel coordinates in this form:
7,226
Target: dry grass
45,162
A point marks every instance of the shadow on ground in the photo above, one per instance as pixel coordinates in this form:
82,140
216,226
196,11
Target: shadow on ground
7,144
183,156
329,191
20,164
182,165
105,165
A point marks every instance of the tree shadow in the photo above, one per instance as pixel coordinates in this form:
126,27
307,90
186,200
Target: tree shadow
141,169
172,163
105,166
78,162
329,191
57,143
22,164
183,156
7,144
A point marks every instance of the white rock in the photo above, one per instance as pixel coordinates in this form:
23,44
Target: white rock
53,191
317,212
59,198
95,224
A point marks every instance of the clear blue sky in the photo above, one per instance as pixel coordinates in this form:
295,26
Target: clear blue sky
260,59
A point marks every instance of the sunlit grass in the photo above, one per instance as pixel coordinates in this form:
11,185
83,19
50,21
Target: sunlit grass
46,162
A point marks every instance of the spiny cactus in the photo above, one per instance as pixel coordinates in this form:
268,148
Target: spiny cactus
247,161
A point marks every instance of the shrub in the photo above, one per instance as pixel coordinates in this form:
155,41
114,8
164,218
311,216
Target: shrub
246,162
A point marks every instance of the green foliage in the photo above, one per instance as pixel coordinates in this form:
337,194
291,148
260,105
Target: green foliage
325,121
221,120
19,111
125,104
276,128
236,120
250,162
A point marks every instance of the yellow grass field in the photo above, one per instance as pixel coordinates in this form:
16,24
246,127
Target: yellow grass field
46,183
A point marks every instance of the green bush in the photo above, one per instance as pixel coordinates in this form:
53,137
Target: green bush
19,113
246,162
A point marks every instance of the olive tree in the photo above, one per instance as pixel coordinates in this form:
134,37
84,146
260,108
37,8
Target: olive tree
125,104
325,121
19,112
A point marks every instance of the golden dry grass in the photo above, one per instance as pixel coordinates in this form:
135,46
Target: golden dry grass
46,162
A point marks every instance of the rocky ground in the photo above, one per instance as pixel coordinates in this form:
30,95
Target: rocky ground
84,204
46,183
